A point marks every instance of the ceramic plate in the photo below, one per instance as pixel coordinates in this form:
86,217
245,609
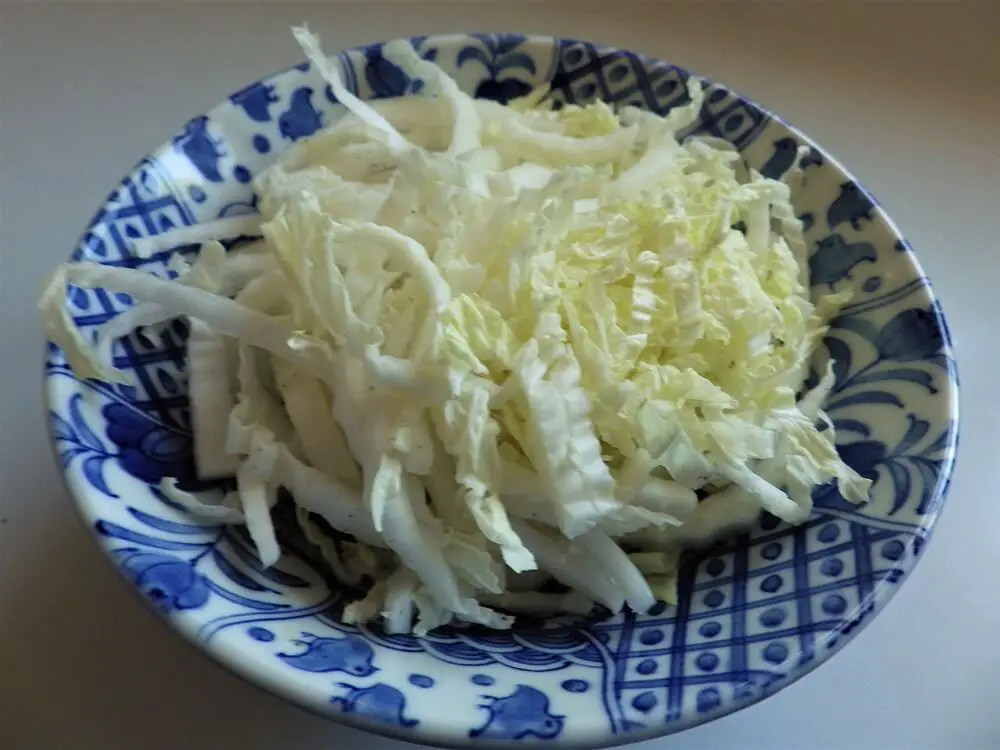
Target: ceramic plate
755,613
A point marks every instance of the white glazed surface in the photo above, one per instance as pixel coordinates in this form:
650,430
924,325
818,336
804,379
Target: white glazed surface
63,595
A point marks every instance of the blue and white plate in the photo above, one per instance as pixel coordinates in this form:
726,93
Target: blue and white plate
754,614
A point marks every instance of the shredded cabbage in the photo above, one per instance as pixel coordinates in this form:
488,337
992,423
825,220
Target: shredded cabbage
497,346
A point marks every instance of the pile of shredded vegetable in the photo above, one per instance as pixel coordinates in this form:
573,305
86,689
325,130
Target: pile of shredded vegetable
496,345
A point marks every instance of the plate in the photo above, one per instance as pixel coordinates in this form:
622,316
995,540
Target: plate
755,613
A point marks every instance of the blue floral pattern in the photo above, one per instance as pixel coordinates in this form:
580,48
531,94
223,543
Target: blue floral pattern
168,582
753,613
147,450
503,60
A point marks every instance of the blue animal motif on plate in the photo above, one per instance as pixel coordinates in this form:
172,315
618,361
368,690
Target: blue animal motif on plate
835,259
523,713
754,613
386,79
349,654
301,119
852,205
203,149
785,152
381,702
256,100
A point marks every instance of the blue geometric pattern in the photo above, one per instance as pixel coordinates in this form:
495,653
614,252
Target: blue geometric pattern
587,72
754,613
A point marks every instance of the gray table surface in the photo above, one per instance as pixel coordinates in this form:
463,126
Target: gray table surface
906,94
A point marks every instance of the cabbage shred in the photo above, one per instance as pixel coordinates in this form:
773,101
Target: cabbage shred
490,340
